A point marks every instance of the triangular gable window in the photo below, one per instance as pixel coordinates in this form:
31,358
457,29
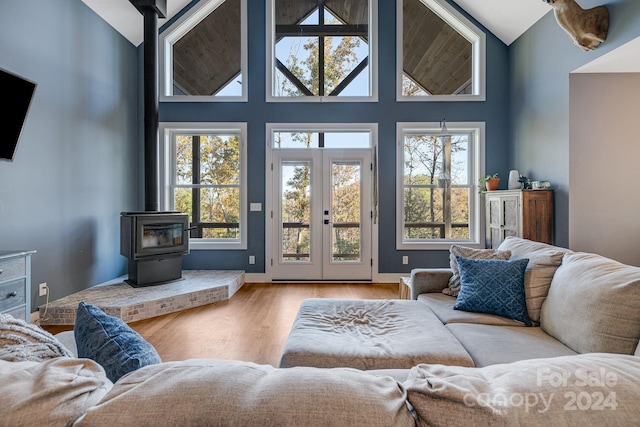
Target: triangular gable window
203,54
440,53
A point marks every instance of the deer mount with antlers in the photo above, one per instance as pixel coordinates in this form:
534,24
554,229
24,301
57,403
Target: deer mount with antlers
587,28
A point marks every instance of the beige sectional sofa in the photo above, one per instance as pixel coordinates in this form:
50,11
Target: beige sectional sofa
583,390
575,367
585,303
577,302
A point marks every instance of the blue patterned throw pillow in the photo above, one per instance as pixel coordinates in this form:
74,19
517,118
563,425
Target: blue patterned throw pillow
111,342
494,287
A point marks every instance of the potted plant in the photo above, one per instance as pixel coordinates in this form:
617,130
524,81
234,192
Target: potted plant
489,183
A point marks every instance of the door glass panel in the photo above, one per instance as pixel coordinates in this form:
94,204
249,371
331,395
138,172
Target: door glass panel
296,211
345,211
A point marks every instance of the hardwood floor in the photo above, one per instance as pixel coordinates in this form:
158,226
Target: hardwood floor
252,326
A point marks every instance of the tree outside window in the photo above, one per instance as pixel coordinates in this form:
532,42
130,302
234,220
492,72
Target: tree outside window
437,197
321,48
205,172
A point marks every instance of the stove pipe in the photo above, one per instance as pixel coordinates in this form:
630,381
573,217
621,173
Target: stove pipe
151,10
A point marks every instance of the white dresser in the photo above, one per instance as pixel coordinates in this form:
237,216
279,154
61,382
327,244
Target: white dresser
15,283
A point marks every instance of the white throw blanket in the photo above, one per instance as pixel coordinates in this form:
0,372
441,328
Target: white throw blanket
20,341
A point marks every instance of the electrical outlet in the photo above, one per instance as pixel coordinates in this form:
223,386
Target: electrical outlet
405,260
43,289
252,259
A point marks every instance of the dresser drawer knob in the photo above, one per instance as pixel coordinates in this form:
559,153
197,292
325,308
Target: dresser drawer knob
12,294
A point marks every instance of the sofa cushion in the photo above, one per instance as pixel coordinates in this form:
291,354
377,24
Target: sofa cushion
537,280
442,306
55,392
494,287
523,248
453,287
489,345
589,389
232,393
593,305
110,342
544,260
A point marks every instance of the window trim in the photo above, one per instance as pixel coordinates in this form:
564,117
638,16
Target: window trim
373,62
476,212
178,29
469,31
167,175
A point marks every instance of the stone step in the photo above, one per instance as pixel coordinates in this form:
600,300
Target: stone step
118,298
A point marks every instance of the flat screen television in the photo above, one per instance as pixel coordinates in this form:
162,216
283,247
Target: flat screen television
17,94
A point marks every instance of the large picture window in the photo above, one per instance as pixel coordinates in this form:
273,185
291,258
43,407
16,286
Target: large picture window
203,54
437,196
205,178
321,50
440,53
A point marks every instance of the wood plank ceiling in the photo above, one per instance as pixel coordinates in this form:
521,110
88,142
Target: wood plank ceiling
435,56
208,57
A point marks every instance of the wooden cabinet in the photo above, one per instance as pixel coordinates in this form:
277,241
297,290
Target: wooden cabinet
15,284
522,213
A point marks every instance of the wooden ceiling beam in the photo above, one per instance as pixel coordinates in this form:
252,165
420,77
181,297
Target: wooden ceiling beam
322,30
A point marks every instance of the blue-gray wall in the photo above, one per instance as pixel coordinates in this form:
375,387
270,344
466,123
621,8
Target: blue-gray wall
386,113
75,167
540,63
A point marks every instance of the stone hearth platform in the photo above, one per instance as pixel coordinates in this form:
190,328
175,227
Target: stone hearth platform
118,298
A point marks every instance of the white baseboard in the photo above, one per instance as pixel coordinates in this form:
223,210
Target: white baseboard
256,278
377,277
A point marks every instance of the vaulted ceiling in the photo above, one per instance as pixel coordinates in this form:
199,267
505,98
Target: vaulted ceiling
506,19
207,57
436,58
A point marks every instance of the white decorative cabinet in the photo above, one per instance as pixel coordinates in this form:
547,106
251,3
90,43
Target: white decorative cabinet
521,213
15,284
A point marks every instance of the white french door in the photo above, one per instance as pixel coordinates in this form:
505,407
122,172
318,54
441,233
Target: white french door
322,214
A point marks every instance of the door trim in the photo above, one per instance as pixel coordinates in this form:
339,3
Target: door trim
269,204
321,264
